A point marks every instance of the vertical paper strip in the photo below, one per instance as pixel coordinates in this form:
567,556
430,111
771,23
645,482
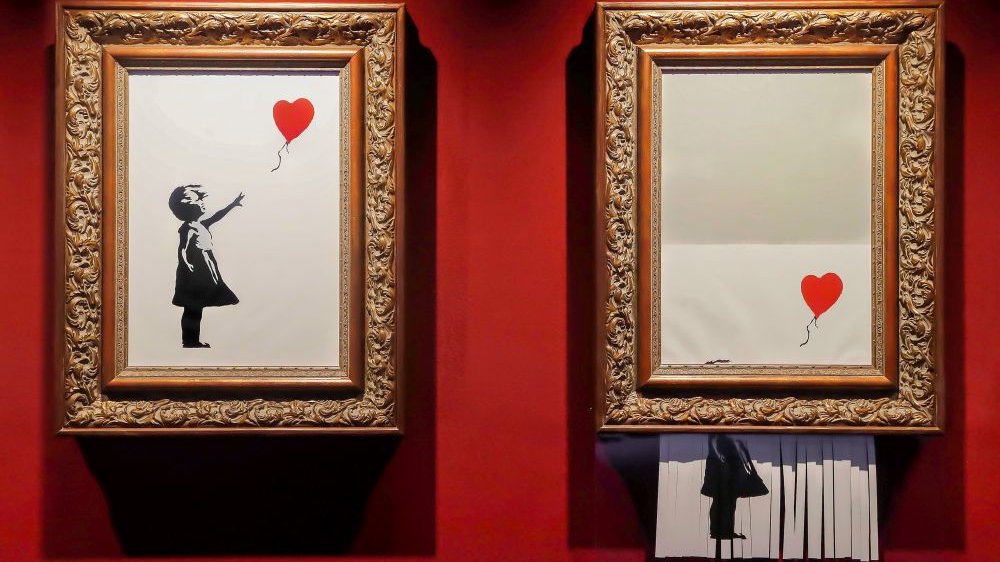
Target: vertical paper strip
791,545
842,496
689,452
664,505
799,524
829,521
764,455
775,495
859,501
873,497
707,548
814,497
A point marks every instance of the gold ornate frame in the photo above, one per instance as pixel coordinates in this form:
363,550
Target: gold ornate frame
901,43
97,44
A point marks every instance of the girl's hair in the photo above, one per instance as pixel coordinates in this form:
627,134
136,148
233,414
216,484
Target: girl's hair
184,202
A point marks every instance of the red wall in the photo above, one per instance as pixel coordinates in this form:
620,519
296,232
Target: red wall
499,462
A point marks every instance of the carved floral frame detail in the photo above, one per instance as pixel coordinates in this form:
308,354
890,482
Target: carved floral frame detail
84,28
916,27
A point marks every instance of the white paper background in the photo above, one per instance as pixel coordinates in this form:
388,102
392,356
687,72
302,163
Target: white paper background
279,252
765,178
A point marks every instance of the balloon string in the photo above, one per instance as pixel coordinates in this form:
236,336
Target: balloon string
813,322
285,146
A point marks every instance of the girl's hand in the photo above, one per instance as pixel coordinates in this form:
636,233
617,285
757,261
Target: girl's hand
238,202
190,266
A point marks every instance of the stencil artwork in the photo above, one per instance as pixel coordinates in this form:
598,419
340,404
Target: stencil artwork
199,281
255,265
753,233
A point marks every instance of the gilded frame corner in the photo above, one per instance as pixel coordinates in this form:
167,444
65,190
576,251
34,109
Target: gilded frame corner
912,404
85,29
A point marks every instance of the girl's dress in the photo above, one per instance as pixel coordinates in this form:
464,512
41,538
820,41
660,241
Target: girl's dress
203,286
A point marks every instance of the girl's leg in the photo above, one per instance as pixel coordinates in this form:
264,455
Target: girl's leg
729,519
715,519
191,325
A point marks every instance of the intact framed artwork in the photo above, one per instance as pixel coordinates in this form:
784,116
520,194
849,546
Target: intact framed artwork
769,216
229,217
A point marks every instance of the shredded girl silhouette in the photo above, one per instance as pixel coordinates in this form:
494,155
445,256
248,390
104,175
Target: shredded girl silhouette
199,282
729,475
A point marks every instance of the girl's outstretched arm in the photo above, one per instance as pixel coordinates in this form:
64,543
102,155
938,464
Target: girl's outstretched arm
238,202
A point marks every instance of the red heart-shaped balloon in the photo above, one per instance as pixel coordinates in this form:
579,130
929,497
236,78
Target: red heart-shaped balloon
821,293
293,118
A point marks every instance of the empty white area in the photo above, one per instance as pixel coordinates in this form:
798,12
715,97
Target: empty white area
765,178
279,253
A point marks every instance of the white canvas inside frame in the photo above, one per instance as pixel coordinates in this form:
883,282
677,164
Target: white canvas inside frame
279,253
765,177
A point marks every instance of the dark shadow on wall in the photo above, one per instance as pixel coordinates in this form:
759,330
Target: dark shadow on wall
241,494
917,472
612,478
235,494
393,526
580,287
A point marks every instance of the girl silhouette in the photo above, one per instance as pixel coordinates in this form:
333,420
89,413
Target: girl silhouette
199,283
729,475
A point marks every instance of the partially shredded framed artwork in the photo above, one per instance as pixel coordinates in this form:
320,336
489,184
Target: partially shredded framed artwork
769,194
229,212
